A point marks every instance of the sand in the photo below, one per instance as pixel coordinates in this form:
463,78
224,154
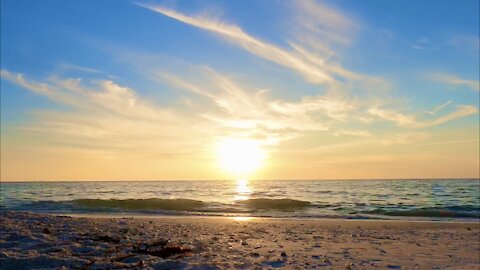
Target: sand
39,241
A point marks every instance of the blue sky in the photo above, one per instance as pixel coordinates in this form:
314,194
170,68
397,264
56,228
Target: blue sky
115,82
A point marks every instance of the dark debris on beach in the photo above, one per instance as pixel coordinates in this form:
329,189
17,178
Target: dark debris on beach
47,242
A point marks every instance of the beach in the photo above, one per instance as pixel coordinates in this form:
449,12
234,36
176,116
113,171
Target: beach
42,241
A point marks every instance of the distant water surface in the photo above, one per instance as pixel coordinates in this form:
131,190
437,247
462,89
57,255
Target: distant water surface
385,199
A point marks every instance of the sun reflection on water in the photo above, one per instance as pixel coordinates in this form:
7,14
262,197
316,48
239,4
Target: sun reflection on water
243,190
242,218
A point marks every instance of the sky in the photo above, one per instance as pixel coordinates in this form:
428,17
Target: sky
149,90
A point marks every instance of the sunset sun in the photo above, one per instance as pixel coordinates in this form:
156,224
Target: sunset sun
240,157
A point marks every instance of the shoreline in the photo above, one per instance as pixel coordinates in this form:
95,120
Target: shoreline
29,240
236,217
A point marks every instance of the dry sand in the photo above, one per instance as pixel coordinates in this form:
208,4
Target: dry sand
36,241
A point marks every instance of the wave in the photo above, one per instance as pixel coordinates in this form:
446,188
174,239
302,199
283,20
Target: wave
160,205
274,204
255,207
142,204
191,205
432,212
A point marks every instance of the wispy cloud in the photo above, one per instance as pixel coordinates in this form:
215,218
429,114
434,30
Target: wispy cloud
438,108
104,115
404,138
396,117
454,80
423,44
249,43
359,133
249,109
317,23
448,142
410,121
64,68
321,27
109,116
333,107
68,66
331,148
108,120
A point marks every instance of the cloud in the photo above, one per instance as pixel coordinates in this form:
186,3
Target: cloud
359,133
249,43
461,111
319,30
240,108
423,44
454,80
439,108
64,66
324,23
49,91
332,107
456,142
106,116
110,119
330,148
404,138
409,121
105,96
393,116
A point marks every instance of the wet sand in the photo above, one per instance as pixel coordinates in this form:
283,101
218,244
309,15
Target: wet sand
38,241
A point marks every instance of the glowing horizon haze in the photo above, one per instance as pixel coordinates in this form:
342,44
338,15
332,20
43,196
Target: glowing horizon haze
303,89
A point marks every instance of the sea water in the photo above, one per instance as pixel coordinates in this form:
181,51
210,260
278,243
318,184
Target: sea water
453,199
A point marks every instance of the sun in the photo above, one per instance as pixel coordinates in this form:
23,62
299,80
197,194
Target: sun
240,157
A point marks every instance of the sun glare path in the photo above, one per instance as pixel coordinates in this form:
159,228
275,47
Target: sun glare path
243,190
240,157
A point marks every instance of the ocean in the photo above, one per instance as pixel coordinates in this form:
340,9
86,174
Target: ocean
452,199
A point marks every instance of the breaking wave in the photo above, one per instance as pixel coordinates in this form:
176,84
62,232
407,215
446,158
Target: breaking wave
159,205
254,207
432,212
142,204
276,204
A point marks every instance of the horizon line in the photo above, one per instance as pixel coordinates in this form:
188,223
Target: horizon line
291,179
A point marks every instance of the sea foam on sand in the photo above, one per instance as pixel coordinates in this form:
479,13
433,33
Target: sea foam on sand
38,241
